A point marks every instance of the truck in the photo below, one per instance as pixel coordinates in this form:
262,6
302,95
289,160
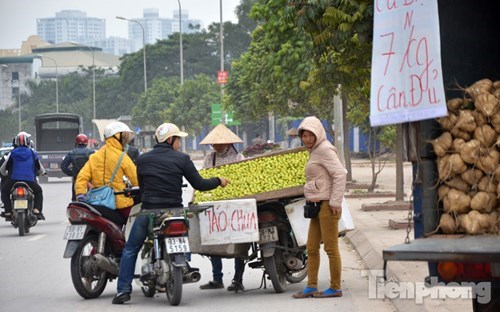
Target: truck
54,135
453,259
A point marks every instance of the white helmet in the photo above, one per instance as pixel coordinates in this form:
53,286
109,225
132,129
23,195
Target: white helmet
115,127
167,130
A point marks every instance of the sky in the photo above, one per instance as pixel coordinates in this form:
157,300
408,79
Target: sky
18,17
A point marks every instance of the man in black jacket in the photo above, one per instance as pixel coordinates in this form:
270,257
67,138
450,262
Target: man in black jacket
160,172
74,161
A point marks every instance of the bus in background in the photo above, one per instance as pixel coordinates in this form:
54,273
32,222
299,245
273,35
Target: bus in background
54,137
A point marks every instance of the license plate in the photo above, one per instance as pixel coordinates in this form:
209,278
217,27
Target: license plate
268,234
54,165
74,232
21,204
177,244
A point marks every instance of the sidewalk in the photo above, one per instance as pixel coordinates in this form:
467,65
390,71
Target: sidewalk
373,234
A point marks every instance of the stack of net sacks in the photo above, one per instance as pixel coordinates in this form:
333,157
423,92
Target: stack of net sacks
257,175
468,161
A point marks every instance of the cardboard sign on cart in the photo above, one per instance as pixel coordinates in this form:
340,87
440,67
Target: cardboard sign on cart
230,221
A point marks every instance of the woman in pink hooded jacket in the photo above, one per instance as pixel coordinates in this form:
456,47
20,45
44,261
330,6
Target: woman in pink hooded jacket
325,185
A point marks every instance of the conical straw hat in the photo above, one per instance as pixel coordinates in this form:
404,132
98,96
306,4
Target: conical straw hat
221,135
292,131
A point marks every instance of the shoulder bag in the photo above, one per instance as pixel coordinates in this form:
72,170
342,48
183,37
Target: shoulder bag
104,195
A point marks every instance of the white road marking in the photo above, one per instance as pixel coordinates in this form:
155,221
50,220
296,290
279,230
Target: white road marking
37,237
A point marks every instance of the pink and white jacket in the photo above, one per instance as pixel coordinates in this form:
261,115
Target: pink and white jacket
325,174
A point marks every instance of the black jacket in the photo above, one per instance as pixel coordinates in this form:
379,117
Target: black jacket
160,173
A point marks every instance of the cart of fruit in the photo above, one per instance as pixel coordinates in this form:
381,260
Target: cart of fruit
270,176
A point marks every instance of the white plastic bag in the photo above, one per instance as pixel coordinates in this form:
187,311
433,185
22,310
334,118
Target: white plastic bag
345,223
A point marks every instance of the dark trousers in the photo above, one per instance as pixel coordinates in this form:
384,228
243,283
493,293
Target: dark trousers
6,187
239,268
73,194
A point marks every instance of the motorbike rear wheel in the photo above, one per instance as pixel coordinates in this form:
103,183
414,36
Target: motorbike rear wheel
88,279
174,285
21,222
297,276
273,267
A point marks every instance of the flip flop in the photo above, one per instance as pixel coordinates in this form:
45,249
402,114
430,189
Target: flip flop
301,294
321,294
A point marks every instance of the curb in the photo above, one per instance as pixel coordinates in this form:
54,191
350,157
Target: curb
374,261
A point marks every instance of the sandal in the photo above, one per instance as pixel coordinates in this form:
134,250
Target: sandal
329,293
308,292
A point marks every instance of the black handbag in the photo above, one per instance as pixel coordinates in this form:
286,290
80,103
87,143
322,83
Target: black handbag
311,209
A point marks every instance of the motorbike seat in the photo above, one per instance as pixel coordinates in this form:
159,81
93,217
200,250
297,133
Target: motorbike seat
87,206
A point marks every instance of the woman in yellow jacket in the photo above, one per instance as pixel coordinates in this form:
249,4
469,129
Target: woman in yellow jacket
99,168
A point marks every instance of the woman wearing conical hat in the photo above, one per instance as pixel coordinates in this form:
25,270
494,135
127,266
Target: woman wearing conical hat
222,140
294,135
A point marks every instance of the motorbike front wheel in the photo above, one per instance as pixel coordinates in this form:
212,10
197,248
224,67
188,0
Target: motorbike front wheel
174,285
21,223
273,268
88,279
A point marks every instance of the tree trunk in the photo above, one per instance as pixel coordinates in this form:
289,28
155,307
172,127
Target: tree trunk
347,138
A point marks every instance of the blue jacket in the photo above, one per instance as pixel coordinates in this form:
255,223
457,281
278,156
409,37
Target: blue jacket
23,164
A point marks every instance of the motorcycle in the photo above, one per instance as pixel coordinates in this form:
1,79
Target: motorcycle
23,217
281,257
165,253
277,251
94,245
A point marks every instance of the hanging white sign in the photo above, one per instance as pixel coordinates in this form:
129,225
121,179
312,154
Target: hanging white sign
406,82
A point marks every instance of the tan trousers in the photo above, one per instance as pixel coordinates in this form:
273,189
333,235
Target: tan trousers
324,228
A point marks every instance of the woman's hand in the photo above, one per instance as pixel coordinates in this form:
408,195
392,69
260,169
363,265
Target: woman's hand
336,210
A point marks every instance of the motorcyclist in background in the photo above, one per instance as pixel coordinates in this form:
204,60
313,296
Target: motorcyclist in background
74,161
22,164
99,169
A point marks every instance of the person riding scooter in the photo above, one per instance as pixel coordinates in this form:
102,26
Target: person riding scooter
22,165
76,159
99,169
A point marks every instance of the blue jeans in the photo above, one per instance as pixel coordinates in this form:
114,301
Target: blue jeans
239,268
134,243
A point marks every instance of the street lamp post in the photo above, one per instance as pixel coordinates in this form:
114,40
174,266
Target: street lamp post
57,77
180,43
143,47
181,65
93,90
221,38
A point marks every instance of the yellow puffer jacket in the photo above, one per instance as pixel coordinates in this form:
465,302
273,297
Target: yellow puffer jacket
99,168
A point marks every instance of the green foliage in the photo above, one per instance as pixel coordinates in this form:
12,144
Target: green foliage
153,104
192,106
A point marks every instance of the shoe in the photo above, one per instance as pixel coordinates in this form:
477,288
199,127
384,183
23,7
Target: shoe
329,293
306,293
6,215
121,298
40,216
212,285
236,286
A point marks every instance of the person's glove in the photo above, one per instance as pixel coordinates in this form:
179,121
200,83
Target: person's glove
80,198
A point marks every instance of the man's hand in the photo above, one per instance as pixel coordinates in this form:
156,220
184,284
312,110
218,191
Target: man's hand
223,182
80,198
